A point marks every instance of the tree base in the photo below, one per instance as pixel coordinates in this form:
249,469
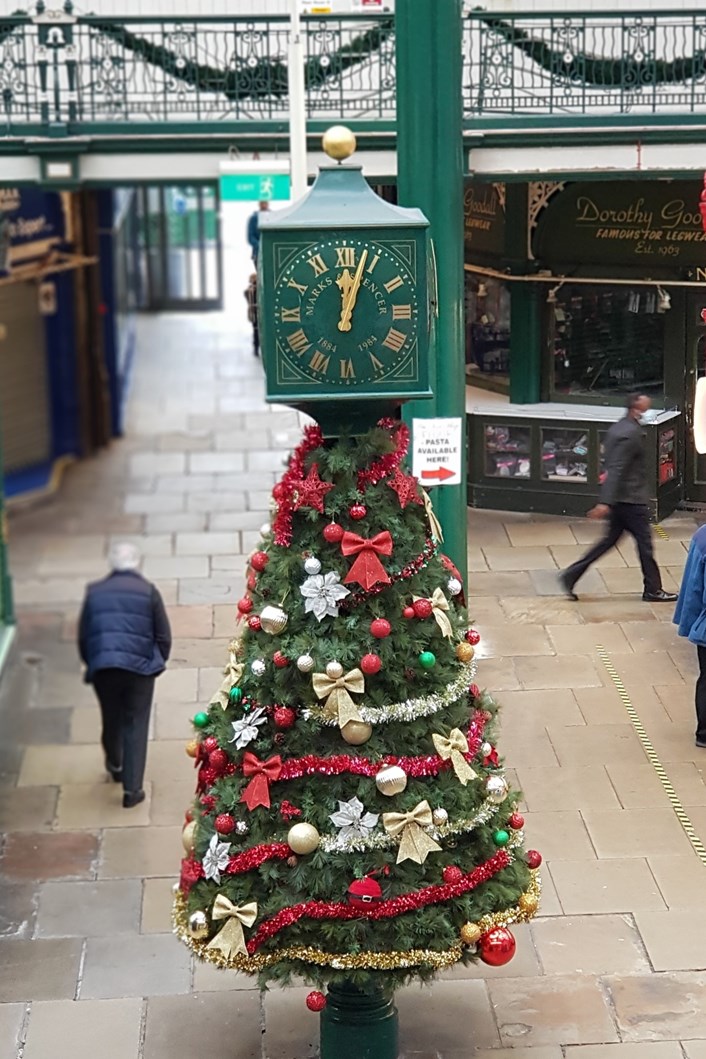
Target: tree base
358,1025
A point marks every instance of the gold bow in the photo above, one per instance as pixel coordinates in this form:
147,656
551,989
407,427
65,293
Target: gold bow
230,938
232,675
338,702
454,747
415,844
439,608
434,523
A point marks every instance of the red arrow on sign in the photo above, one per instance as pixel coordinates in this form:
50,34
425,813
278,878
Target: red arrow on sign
442,473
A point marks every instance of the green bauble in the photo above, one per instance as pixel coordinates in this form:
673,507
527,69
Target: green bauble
235,695
501,838
427,660
200,720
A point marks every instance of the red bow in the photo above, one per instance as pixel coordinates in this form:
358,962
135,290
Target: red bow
257,791
367,570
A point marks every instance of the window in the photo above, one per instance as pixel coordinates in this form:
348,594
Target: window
487,331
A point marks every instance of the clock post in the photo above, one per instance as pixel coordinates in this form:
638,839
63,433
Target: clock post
344,300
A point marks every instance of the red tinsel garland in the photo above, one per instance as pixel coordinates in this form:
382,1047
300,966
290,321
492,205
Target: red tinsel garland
192,870
282,525
389,463
395,906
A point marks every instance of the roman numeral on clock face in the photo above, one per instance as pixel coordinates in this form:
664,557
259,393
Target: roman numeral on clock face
292,316
319,362
401,312
347,370
377,364
394,340
345,257
393,284
302,288
318,264
298,342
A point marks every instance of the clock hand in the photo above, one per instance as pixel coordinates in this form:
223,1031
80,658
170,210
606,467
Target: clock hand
344,324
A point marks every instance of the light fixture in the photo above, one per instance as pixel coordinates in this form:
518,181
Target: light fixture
664,301
482,290
551,296
700,416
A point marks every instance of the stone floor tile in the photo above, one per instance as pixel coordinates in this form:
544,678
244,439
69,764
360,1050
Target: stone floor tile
165,762
171,800
11,1020
661,1050
635,832
191,622
594,745
88,909
599,886
523,747
155,503
49,765
220,521
143,464
487,611
172,720
441,1018
226,502
205,1024
495,583
567,554
615,609
475,560
177,686
207,543
557,672
675,939
571,787
694,1049
157,900
39,970
550,610
135,965
498,674
550,1051
148,543
506,640
217,462
658,1007
549,905
559,1009
64,1029
578,640
645,637
639,786
667,553
537,709
234,440
37,856
184,483
208,978
546,583
540,533
156,567
517,558
627,579
558,835
680,879
96,805
18,909
224,618
204,654
646,668
604,706
590,944
194,590
185,521
85,726
133,853
23,808
288,1030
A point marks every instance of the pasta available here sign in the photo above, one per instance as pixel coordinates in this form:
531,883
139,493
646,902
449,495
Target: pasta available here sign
437,453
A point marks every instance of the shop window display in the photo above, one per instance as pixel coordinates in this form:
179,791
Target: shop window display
487,305
605,341
507,451
564,455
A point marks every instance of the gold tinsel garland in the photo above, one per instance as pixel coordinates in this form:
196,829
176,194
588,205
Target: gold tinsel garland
343,961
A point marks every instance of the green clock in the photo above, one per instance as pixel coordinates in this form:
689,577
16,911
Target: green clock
344,293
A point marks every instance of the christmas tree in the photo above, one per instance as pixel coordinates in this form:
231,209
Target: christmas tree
352,820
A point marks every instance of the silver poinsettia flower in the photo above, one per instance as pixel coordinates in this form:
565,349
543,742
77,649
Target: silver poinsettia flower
323,593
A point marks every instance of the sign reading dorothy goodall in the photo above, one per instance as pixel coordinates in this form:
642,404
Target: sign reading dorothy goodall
483,222
616,223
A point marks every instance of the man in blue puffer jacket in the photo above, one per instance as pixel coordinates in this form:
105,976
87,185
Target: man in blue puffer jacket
124,640
690,617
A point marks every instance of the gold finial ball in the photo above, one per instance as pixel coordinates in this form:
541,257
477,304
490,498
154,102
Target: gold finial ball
470,933
338,142
528,903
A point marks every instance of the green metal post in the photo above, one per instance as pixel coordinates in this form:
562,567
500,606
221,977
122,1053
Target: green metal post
358,1025
7,616
430,176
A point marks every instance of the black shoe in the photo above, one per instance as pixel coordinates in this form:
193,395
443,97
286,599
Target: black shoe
660,597
116,774
132,798
700,743
567,586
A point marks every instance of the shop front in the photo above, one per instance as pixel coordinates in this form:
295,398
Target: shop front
601,289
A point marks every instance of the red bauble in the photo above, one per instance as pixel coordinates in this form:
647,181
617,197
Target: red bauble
254,622
259,561
284,717
280,660
188,816
533,858
362,893
225,824
209,744
371,664
516,821
472,637
316,1001
251,581
422,608
380,628
497,946
451,874
474,691
357,511
207,776
333,533
279,492
245,605
217,760
208,802
408,613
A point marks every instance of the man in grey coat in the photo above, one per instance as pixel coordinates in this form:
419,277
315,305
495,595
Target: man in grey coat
624,502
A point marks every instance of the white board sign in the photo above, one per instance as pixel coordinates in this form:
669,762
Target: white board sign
437,452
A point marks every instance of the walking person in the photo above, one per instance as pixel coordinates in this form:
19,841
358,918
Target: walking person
624,503
124,640
251,299
690,619
254,228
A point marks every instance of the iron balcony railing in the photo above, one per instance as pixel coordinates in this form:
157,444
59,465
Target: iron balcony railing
62,73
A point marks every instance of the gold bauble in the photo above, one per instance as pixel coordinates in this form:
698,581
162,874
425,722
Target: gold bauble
334,670
303,838
273,620
355,733
528,903
464,652
391,780
497,789
187,836
338,142
197,926
470,933
439,816
192,748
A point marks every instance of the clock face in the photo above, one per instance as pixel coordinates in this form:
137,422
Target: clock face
346,314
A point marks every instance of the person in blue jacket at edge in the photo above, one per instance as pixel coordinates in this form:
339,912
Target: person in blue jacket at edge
254,228
124,640
690,619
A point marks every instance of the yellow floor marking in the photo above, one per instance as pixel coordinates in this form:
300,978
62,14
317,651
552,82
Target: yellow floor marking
661,532
652,757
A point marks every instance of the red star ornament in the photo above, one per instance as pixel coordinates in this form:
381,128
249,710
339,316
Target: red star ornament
310,491
406,488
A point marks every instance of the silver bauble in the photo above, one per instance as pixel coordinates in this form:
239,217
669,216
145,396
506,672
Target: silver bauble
497,789
486,748
241,828
312,565
258,667
334,670
273,620
454,586
439,816
355,733
391,780
265,528
198,926
305,663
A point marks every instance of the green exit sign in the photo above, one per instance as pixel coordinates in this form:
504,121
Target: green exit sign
254,187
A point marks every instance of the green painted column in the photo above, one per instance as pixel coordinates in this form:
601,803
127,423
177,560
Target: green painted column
430,176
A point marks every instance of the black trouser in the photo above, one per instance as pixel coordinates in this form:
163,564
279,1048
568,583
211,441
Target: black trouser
701,695
624,518
125,700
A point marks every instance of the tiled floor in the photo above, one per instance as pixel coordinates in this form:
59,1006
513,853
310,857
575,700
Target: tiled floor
613,969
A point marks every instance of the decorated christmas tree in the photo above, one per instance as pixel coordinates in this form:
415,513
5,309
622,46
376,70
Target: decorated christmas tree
353,825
